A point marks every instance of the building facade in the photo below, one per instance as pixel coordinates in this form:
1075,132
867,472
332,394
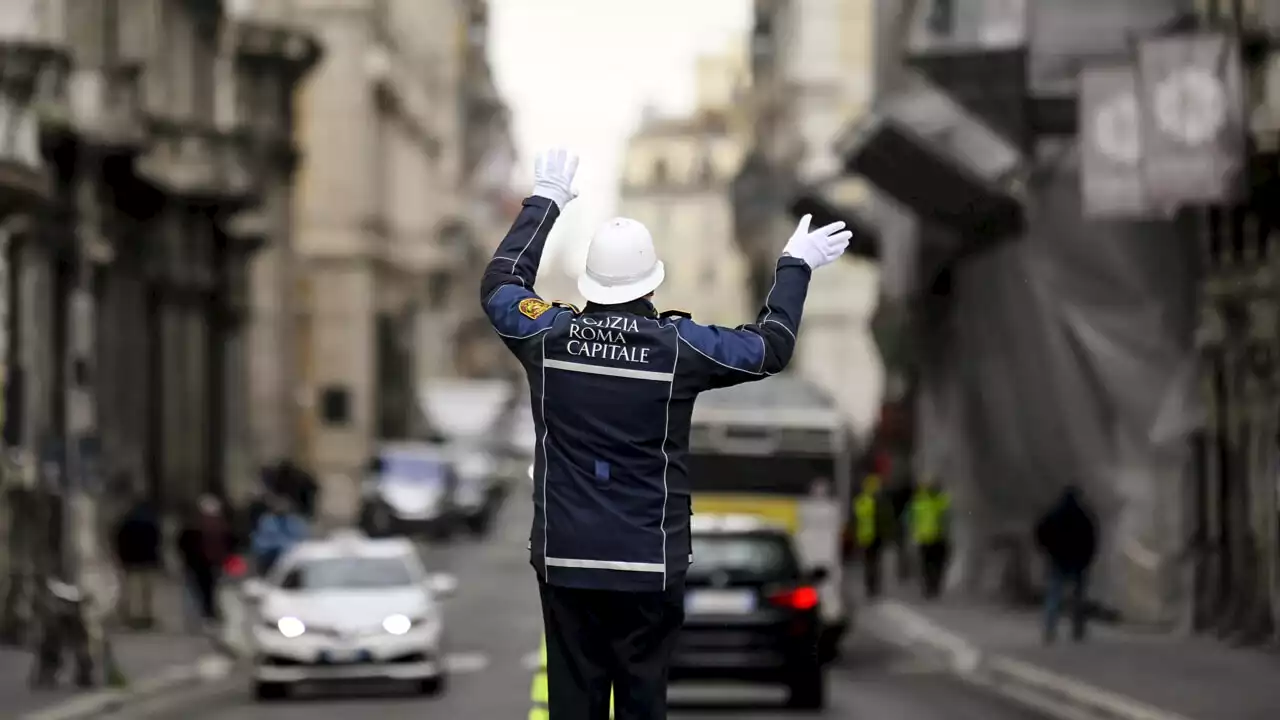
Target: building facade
141,137
398,119
829,61
1234,502
1183,482
485,203
814,73
676,180
168,130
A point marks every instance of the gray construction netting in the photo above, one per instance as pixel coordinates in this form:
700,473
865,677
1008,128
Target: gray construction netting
1066,356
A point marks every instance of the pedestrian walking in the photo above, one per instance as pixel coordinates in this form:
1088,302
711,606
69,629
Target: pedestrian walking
929,519
217,541
138,541
194,569
612,388
1068,536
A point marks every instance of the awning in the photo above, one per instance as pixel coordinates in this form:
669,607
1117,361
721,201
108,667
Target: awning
933,158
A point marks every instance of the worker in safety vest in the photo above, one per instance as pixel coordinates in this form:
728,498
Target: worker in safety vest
538,706
929,521
871,521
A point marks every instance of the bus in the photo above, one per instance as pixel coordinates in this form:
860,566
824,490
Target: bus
780,449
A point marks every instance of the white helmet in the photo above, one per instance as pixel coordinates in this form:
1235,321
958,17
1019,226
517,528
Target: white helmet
621,264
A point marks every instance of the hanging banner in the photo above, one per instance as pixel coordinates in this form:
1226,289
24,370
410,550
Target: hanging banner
1111,144
1191,98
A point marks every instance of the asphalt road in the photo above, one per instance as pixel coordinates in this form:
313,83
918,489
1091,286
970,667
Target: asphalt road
494,629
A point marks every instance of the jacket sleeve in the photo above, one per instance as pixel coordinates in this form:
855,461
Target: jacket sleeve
506,290
720,357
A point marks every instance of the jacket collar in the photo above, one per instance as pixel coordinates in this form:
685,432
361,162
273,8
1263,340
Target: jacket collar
641,307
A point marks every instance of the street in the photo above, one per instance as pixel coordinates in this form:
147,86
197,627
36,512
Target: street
495,623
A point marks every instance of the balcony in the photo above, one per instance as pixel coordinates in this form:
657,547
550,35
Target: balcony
107,108
203,165
928,154
25,69
286,52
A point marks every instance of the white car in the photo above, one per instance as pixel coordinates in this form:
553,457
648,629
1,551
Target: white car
348,608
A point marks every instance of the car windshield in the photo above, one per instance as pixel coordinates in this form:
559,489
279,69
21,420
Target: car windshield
348,573
745,557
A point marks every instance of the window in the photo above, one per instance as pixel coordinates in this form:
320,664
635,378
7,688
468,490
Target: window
660,171
941,19
335,405
349,573
745,557
439,286
706,171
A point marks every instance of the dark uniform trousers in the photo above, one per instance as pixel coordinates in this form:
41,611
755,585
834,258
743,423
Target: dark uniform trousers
598,640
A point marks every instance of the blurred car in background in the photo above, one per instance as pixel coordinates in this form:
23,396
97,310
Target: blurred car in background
410,490
348,608
752,613
477,426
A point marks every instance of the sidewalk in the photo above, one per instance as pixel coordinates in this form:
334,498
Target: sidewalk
1115,673
141,655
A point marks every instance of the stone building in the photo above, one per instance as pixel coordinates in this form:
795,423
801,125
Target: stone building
676,176
399,123
161,126
486,206
813,67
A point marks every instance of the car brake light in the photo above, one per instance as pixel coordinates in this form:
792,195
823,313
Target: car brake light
801,598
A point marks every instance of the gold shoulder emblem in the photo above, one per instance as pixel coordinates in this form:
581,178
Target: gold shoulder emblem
533,307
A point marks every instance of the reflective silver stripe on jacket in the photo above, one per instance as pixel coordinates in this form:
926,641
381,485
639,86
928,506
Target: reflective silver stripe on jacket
606,565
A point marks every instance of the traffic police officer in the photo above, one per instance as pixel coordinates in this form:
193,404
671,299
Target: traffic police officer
612,389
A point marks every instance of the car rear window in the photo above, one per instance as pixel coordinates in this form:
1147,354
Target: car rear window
348,573
744,557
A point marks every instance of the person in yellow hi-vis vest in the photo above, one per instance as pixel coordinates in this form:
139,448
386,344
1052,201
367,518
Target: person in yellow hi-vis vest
538,700
929,519
871,519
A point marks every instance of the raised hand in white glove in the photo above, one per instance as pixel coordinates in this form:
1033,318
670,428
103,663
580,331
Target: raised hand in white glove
817,247
553,173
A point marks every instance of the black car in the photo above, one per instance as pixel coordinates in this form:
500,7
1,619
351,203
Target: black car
751,612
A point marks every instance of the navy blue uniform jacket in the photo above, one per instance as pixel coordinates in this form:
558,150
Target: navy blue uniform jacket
612,391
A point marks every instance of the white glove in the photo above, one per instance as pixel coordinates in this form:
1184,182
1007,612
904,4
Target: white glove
553,173
818,247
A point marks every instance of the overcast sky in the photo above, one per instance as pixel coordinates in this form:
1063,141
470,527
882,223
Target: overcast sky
579,73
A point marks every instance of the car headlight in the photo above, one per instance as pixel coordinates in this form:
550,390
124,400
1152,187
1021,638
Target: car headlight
397,624
290,627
